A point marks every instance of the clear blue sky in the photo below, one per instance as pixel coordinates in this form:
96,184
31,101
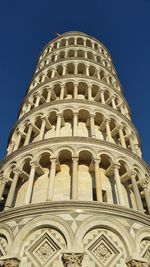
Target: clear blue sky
122,25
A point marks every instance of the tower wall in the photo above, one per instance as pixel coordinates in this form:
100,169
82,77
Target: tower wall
75,190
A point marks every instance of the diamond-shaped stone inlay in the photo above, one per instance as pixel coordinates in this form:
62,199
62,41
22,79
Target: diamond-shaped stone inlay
44,250
103,251
147,253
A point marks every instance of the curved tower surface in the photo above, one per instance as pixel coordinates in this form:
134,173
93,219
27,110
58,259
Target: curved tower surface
74,189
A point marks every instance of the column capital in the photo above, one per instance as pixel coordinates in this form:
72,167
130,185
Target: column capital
59,114
11,262
92,115
145,182
116,165
133,173
3,179
102,90
75,113
53,159
37,94
97,161
75,158
137,263
16,170
106,119
34,163
72,259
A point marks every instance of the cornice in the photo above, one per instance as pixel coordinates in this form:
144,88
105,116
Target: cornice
73,141
55,208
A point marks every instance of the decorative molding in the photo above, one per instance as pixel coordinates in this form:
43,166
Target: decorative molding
137,263
72,259
10,262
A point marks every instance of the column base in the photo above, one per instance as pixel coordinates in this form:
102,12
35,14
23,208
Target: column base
9,261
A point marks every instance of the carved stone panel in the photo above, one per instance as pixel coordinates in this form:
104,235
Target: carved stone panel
72,259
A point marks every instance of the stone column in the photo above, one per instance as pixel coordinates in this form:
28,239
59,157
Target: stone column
89,92
76,68
42,130
72,259
122,108
87,70
58,124
118,184
49,96
113,102
122,139
62,91
145,184
102,96
28,135
30,183
75,123
12,190
64,69
136,192
53,73
75,178
10,147
51,181
75,90
92,125
108,132
37,100
98,181
3,182
18,139
28,106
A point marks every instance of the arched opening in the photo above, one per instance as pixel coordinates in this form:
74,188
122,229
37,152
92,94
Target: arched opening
63,42
41,179
81,69
55,92
88,43
80,41
82,91
83,123
90,55
80,54
67,127
62,55
69,90
71,41
60,70
92,70
51,130
71,53
62,187
70,68
100,133
36,130
109,193
22,184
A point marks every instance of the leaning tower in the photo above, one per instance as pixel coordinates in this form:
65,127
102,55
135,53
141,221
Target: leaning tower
74,189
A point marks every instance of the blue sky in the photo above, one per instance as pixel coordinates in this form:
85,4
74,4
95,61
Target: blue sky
122,25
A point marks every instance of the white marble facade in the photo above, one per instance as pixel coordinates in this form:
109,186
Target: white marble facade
74,188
